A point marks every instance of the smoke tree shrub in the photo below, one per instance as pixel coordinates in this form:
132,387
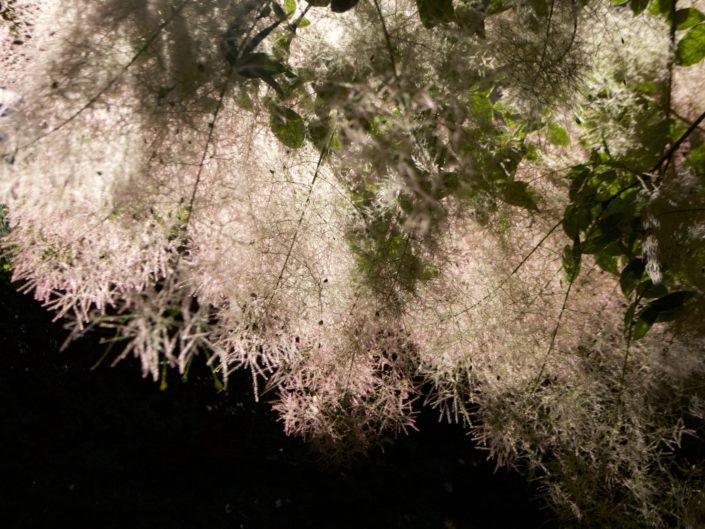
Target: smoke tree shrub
496,201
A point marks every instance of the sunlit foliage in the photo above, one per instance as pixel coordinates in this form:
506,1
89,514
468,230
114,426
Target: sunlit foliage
492,207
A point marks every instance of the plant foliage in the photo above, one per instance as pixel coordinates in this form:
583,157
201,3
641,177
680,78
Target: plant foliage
365,203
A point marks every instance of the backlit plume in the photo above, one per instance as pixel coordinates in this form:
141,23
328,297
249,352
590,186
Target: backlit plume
149,190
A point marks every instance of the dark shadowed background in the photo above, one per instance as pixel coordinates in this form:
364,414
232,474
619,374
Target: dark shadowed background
105,448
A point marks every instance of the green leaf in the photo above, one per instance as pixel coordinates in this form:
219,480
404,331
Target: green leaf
640,328
261,66
319,132
614,249
289,7
281,48
497,6
287,126
571,261
341,6
481,107
661,8
691,48
631,276
576,219
638,6
649,88
666,308
258,65
688,17
607,262
471,20
318,3
696,158
434,12
629,315
428,272
518,194
557,135
451,182
540,7
601,236
578,175
647,289
183,213
243,99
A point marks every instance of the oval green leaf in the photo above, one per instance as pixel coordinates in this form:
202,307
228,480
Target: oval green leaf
434,12
341,6
576,218
691,48
631,276
518,194
287,126
688,17
666,308
638,6
557,135
289,7
571,261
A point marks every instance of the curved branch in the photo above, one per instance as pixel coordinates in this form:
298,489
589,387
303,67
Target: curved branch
668,155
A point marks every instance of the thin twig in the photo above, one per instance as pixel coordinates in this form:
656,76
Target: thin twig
511,274
209,141
676,211
574,33
303,214
547,38
388,40
554,334
685,119
676,145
